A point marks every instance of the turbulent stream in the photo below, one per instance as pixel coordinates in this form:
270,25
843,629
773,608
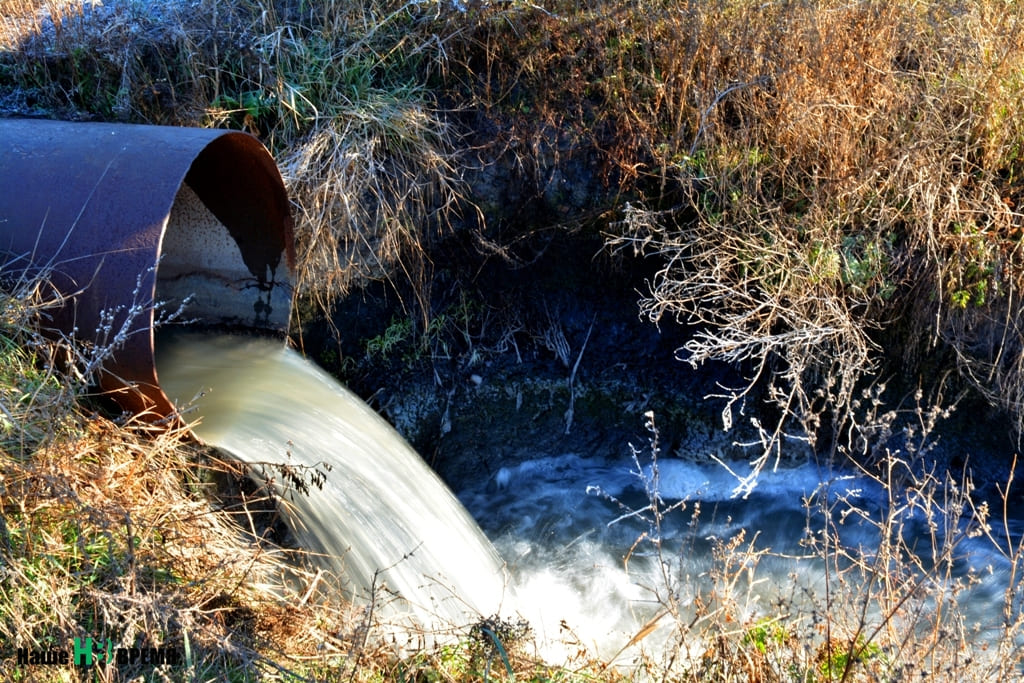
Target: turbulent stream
583,555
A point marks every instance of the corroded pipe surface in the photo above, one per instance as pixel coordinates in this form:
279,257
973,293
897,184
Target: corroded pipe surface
130,223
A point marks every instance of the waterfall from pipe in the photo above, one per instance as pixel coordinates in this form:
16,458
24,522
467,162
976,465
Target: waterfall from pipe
374,511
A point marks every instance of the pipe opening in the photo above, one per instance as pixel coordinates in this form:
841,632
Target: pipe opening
134,222
225,255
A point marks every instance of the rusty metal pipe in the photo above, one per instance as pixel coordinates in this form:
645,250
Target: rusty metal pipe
129,222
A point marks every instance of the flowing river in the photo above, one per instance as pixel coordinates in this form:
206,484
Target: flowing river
590,551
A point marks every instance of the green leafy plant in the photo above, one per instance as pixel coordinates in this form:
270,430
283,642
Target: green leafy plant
398,333
767,634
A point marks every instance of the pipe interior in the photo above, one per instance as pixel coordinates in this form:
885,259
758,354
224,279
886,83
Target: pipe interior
225,276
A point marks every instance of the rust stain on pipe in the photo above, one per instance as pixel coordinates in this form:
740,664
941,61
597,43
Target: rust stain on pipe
129,221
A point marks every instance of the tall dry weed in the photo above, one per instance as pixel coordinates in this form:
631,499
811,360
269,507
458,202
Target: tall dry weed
849,180
900,571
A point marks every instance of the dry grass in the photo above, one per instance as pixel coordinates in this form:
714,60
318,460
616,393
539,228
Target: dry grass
365,152
113,531
849,177
832,168
903,573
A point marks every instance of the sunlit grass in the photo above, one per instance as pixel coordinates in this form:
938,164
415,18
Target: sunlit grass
112,531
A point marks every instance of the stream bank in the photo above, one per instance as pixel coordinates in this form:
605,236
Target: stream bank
552,358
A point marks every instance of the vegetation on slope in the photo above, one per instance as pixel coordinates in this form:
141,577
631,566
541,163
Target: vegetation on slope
828,185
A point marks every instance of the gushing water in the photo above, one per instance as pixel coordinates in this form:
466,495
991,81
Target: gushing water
378,515
589,566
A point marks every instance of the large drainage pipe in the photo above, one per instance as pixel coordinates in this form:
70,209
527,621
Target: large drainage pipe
131,222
